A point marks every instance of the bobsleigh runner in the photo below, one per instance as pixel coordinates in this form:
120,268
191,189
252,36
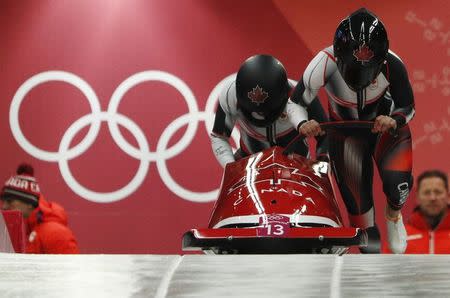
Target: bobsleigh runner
275,201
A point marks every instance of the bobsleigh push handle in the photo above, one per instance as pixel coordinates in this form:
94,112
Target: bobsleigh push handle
327,126
346,125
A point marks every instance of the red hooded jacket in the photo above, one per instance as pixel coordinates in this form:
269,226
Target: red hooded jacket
48,230
423,240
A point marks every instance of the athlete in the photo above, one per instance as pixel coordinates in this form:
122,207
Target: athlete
257,102
364,80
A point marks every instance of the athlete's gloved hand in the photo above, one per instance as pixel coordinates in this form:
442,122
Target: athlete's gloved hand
310,128
383,124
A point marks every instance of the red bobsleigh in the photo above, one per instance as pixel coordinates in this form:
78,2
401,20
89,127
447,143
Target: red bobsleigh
276,202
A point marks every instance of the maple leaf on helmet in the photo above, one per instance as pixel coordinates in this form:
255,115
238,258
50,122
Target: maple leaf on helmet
258,95
363,53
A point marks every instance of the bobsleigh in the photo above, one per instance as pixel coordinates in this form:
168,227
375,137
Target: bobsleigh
276,201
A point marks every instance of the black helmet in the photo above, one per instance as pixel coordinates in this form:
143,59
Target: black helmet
360,46
262,89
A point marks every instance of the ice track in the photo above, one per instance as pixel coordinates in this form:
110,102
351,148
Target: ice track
224,276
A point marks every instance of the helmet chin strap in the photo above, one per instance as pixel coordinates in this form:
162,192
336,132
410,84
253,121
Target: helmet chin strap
361,100
270,132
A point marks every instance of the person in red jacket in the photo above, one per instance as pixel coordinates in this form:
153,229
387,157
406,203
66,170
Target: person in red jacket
428,227
48,232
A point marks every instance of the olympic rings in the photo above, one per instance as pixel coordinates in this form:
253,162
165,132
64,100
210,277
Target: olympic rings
113,119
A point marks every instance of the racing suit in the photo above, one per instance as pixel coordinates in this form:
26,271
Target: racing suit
253,138
352,150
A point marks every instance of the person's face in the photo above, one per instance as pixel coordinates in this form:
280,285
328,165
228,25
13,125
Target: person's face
18,205
432,196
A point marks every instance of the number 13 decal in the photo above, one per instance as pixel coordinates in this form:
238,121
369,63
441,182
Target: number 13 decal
275,230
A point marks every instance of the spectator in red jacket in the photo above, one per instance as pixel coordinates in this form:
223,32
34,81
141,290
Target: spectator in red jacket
48,232
428,227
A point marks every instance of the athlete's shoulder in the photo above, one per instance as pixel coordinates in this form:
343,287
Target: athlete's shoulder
393,57
320,69
329,52
227,97
396,67
324,55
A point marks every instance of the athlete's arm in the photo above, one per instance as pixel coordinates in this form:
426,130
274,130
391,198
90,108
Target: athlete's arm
223,125
400,90
305,95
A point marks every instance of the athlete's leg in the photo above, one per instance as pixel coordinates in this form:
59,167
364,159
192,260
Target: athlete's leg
351,155
393,156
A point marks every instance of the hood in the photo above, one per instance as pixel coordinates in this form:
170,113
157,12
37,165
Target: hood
47,212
